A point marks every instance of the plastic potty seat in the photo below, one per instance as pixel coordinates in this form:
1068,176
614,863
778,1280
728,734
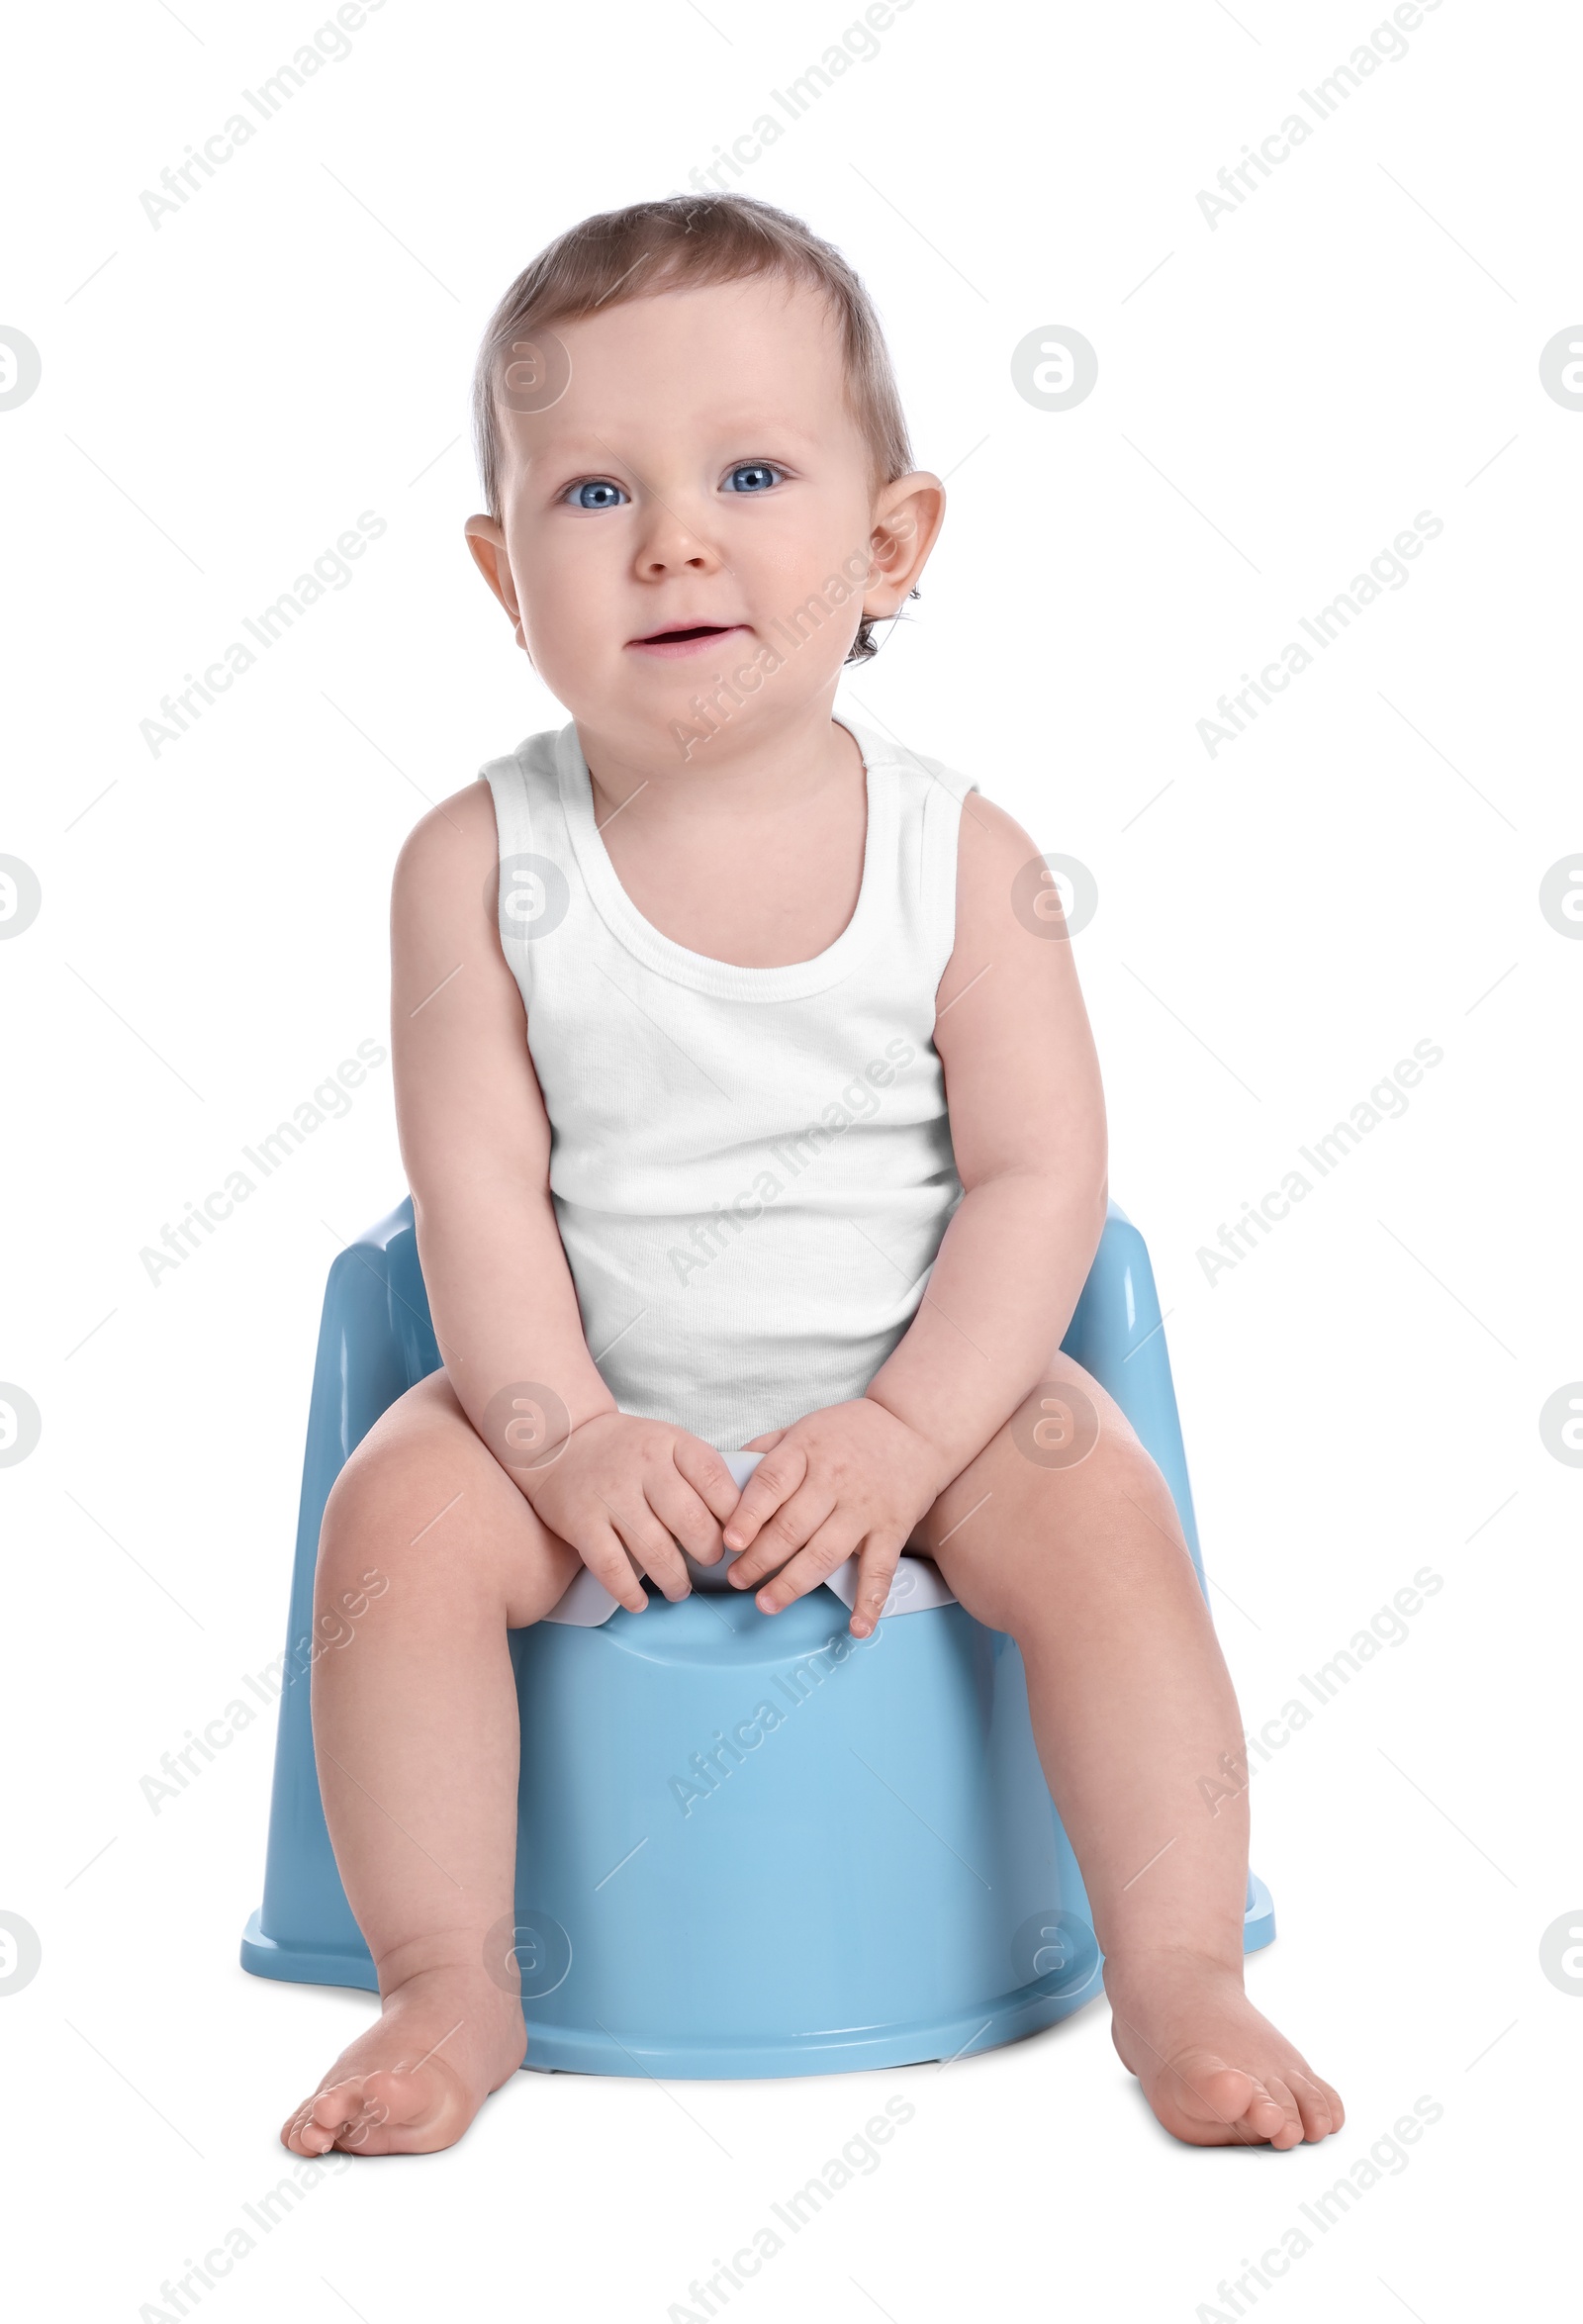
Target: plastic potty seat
747,1845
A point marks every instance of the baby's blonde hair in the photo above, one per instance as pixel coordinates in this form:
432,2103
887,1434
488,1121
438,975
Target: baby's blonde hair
678,243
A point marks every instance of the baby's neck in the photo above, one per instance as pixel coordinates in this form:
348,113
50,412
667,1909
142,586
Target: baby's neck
754,856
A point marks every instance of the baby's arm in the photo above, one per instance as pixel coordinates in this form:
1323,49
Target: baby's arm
1028,1128
475,1139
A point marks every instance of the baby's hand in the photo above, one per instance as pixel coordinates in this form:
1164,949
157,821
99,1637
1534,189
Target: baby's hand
850,1478
624,1491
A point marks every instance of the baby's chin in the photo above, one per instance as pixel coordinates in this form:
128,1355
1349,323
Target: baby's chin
731,691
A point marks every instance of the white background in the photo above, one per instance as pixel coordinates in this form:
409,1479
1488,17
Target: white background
1276,926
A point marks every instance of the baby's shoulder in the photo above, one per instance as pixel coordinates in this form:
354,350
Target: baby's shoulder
463,823
1001,873
445,860
987,833
992,850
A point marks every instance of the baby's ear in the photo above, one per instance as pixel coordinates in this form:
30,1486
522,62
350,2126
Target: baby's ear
487,541
907,516
485,535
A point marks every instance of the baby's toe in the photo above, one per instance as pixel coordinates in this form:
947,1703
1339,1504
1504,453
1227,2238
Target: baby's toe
398,2097
1211,2095
1318,2105
339,2110
312,2129
351,2113
1288,2132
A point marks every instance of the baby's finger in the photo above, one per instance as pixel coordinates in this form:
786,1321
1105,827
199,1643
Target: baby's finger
685,1517
606,1559
830,1545
705,1471
778,1476
786,1533
651,1545
877,1559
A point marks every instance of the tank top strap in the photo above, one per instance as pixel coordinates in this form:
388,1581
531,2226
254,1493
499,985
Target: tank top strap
540,883
929,802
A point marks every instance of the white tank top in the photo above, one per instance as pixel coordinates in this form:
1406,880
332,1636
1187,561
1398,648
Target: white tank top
751,1168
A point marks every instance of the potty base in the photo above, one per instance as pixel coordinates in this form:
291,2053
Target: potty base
559,2049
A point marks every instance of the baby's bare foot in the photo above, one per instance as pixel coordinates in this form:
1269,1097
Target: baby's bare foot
413,2082
1213,2069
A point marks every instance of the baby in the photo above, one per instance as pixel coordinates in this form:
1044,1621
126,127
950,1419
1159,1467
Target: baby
628,971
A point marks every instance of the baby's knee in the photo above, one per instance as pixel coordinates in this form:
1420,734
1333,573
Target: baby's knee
1072,1431
1120,1465
387,1498
1065,1503
354,1533
1105,1497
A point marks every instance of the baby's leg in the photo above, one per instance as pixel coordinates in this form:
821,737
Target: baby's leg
1132,1709
416,1736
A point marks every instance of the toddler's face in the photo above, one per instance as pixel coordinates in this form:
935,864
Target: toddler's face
702,472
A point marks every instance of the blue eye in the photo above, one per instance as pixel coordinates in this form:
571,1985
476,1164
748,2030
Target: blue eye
759,474
596,492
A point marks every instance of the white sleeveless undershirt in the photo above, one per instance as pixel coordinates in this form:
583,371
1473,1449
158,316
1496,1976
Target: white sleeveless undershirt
751,1168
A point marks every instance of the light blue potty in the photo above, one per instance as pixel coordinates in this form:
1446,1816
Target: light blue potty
747,1845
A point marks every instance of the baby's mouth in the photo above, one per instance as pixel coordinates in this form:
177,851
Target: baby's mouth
696,638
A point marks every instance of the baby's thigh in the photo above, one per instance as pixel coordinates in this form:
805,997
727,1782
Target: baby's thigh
1046,1492
425,1501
